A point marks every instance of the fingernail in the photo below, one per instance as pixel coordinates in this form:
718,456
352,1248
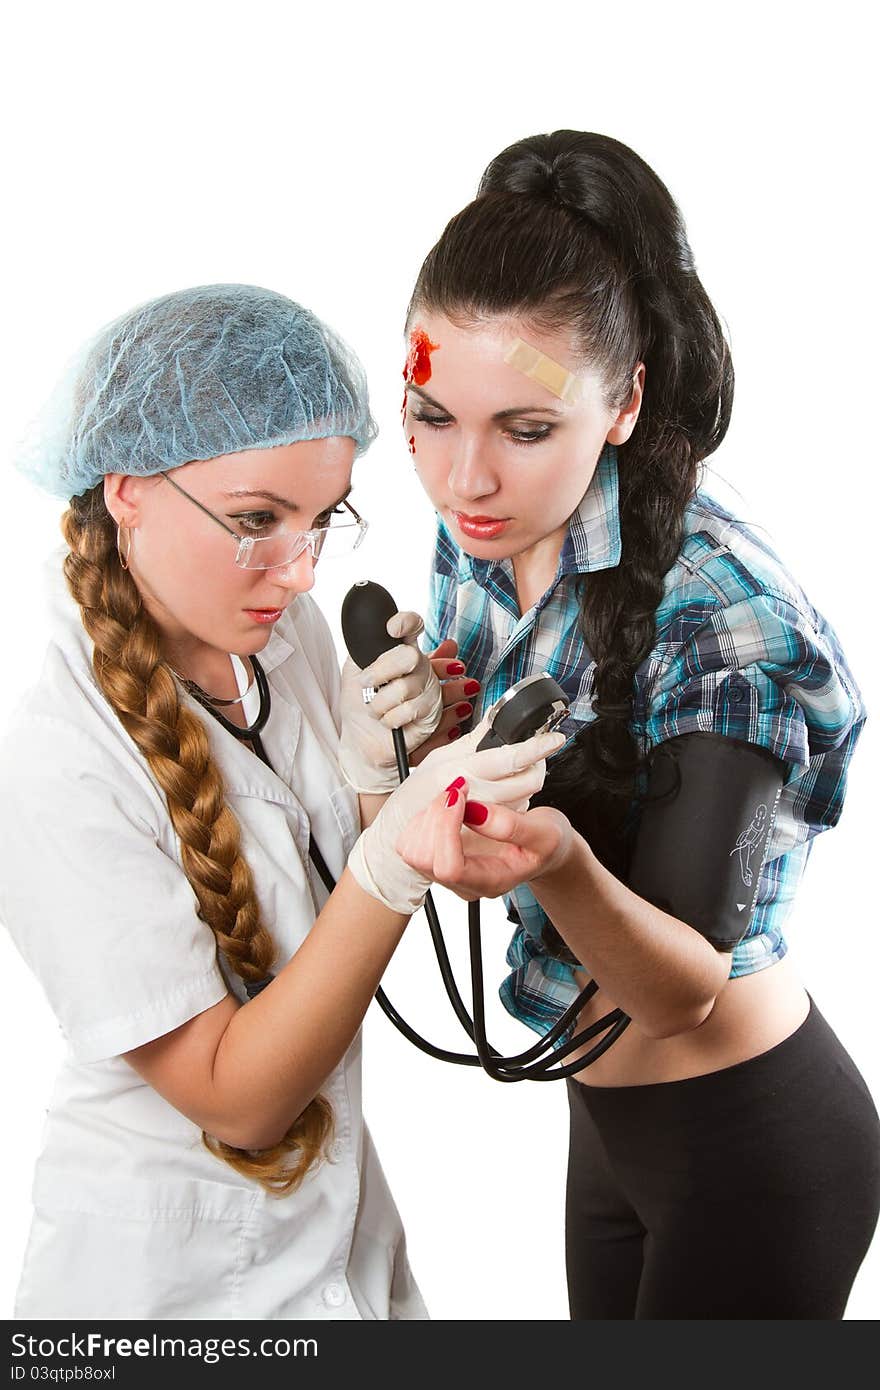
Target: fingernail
455,668
454,732
459,782
475,813
462,710
471,687
451,797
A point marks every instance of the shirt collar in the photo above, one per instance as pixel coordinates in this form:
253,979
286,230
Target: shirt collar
593,538
279,646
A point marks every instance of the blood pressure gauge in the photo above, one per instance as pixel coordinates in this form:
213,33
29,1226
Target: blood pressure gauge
535,705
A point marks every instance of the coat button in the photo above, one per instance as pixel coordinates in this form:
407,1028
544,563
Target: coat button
334,1295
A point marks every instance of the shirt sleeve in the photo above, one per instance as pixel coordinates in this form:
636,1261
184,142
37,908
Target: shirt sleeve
765,672
442,592
104,916
432,636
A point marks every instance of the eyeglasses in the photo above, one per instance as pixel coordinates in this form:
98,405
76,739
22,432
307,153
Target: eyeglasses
270,547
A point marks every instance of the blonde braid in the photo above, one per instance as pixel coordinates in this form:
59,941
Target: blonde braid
130,670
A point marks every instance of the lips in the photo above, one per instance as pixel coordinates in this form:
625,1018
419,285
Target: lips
484,528
264,615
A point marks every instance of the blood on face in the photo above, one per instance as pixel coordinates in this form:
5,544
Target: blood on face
418,363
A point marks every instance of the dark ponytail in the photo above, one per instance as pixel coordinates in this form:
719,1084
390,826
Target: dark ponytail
573,230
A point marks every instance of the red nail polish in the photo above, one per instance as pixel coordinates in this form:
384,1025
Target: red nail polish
475,813
463,710
454,732
471,687
455,668
451,797
459,782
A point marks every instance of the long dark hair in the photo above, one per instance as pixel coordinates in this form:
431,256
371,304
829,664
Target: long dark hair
573,230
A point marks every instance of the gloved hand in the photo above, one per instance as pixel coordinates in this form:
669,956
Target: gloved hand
410,698
505,776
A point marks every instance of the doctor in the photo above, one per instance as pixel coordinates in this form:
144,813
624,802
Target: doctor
187,773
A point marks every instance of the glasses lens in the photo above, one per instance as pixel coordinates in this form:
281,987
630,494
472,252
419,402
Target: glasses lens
284,547
339,538
265,552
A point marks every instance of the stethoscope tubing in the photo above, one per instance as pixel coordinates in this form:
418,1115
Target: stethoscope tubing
538,1062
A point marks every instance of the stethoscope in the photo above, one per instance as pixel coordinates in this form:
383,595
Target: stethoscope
533,705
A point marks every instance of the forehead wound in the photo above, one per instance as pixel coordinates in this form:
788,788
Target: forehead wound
418,363
537,366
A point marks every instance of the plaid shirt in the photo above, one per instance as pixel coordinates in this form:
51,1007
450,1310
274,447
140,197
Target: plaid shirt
739,650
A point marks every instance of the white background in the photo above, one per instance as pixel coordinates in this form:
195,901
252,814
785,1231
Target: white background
153,147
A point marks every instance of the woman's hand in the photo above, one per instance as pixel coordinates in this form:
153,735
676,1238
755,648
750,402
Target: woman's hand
480,850
458,693
508,775
409,696
405,680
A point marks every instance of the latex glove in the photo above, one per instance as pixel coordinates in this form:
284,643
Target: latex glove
505,776
408,697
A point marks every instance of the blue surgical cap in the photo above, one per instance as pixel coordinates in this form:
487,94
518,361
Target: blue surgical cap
213,370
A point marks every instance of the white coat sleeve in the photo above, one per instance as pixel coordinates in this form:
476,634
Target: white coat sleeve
94,895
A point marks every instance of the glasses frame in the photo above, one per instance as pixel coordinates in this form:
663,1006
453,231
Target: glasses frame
313,539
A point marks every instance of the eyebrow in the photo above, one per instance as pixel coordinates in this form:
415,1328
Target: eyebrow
282,501
499,414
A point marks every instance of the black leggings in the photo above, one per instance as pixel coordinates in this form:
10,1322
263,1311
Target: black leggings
751,1192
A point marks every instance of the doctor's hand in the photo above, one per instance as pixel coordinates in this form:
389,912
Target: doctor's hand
408,696
505,776
481,850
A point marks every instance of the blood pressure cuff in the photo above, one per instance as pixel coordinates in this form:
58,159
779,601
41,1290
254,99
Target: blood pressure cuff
707,815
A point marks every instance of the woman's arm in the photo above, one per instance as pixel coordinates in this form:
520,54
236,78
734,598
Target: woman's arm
657,969
244,1073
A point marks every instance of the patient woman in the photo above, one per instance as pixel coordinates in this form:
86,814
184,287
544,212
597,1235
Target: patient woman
566,377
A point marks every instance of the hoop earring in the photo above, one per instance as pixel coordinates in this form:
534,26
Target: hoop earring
123,559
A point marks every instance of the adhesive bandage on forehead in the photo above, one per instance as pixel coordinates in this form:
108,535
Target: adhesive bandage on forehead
539,367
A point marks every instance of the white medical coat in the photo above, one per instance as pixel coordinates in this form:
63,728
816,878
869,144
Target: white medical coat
133,1217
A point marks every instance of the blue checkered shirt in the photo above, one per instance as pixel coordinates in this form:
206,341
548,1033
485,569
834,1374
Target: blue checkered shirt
739,650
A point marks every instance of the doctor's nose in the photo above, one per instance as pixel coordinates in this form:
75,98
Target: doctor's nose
470,475
298,575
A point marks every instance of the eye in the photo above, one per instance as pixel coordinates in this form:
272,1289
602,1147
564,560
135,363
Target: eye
435,421
534,435
252,523
324,518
